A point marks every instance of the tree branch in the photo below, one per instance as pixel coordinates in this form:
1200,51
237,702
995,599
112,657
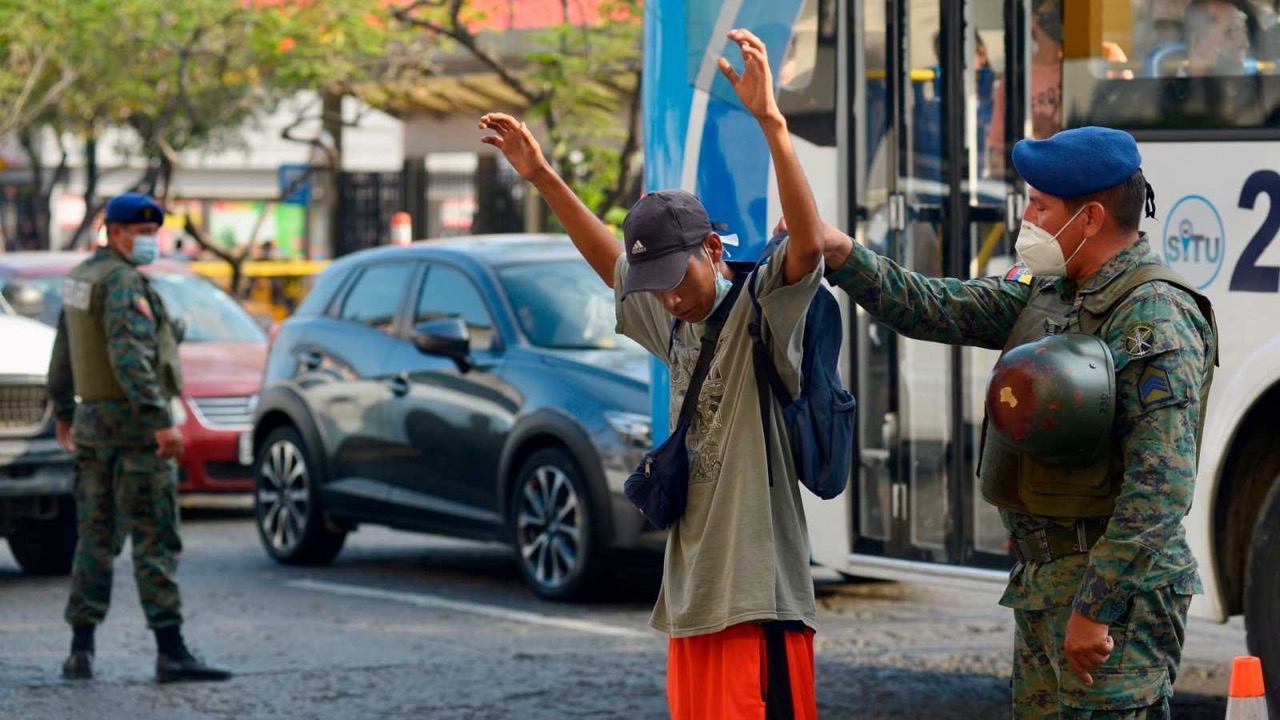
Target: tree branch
190,228
626,169
466,39
19,114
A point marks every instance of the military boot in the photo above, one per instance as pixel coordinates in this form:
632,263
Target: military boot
79,665
175,663
177,668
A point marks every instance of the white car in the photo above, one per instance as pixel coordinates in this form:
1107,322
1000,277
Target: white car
37,513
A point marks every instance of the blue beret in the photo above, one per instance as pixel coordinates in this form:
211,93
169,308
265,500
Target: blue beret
132,207
1077,162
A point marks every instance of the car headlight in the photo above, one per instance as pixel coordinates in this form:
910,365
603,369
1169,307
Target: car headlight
635,429
177,411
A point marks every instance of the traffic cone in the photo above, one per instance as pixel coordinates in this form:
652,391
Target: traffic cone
401,229
1247,700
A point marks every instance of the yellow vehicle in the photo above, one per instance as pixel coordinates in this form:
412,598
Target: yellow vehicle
267,287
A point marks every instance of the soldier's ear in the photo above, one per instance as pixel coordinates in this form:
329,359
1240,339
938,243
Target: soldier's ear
1095,216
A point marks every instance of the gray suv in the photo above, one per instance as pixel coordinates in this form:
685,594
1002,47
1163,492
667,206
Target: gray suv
473,388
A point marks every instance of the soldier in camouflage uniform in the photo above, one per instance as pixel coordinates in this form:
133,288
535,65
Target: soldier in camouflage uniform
117,354
1105,576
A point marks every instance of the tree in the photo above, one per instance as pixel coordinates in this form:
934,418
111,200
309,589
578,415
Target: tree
329,48
38,43
575,81
192,76
49,52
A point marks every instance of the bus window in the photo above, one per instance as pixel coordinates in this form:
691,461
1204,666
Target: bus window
807,74
1045,103
1172,65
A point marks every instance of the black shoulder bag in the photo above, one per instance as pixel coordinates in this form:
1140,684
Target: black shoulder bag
659,488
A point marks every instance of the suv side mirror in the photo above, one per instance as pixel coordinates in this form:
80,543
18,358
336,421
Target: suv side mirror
448,337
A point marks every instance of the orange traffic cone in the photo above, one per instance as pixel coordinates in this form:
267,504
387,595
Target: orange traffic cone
1247,700
401,228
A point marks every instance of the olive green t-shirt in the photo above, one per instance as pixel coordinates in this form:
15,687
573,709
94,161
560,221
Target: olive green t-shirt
740,552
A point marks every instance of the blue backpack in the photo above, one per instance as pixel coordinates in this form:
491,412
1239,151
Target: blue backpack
819,421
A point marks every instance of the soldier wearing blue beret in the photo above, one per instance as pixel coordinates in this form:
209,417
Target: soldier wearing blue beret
132,208
1094,416
112,379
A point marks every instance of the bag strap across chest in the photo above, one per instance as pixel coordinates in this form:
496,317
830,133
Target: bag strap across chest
710,336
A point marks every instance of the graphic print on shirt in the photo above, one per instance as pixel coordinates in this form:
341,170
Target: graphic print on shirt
705,436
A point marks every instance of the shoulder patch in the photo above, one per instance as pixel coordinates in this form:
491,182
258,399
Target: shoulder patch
1139,340
1154,387
1019,273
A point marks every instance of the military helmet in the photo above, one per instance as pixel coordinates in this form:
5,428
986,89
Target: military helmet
1055,398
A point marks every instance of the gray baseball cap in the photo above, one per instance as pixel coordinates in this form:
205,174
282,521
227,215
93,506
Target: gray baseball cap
660,232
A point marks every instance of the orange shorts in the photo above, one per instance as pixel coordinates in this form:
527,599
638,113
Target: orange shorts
726,675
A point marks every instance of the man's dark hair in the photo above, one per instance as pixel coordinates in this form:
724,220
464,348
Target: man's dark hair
1124,202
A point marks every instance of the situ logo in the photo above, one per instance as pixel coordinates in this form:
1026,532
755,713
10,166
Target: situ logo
1194,240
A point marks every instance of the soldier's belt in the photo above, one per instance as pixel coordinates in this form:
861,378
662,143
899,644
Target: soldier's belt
1049,544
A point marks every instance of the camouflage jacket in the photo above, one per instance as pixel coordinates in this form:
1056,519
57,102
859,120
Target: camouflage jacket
1144,546
130,317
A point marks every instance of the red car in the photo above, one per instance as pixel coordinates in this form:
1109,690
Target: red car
223,356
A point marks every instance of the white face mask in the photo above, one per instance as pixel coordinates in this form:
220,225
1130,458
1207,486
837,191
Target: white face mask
1040,251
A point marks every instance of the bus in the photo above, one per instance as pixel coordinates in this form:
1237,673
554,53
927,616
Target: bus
903,113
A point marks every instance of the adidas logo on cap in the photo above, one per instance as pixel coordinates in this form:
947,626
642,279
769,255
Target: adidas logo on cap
638,248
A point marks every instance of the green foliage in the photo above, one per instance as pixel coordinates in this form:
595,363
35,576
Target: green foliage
587,76
46,53
184,74
579,81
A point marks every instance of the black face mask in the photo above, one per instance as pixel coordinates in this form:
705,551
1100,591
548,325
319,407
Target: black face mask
1050,23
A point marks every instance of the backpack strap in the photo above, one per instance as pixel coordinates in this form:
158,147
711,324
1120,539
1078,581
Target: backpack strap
757,328
769,383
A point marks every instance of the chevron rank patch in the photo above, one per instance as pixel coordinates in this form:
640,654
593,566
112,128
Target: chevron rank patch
1154,388
1019,273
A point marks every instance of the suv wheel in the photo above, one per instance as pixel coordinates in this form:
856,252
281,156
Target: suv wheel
287,502
551,520
46,546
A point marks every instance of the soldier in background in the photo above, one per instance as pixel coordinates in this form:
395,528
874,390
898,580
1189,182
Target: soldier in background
1105,576
117,351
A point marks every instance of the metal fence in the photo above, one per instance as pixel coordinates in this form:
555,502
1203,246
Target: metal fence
366,202
490,199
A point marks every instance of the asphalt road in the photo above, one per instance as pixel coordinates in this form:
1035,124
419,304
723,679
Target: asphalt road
415,626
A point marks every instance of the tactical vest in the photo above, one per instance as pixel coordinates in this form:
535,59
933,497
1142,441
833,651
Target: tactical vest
1017,481
84,306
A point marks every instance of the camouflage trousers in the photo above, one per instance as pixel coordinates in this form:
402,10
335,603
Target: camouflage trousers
1135,682
125,492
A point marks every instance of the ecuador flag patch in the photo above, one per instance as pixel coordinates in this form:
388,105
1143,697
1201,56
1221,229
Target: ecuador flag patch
1019,273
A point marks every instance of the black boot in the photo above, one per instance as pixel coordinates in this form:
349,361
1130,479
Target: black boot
175,663
79,665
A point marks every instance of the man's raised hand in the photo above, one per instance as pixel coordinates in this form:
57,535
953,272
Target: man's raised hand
516,143
755,85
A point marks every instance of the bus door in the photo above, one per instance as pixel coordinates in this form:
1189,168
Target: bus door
928,182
